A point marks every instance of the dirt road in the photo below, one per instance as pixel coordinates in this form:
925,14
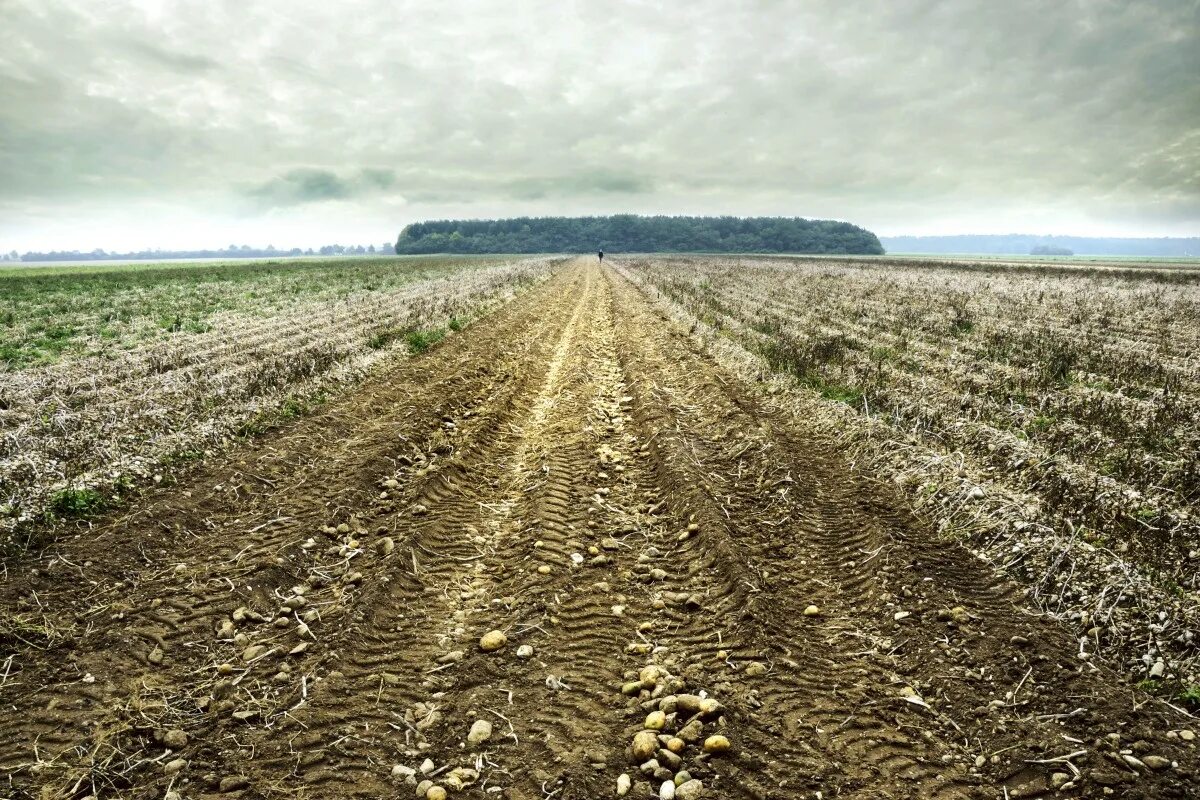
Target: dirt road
304,619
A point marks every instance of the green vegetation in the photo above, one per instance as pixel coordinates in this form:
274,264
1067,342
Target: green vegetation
420,341
629,233
73,502
49,312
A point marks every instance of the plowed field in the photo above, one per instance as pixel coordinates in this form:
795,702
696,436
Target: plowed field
304,617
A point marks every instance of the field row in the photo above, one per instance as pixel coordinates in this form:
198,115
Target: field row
89,425
1051,417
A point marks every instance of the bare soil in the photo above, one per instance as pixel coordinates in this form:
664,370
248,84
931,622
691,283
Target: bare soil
575,472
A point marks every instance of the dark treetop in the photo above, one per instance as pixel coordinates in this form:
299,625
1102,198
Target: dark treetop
629,233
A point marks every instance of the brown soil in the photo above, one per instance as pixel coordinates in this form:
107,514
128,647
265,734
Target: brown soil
575,423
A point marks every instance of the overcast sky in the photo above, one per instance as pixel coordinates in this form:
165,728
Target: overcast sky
151,123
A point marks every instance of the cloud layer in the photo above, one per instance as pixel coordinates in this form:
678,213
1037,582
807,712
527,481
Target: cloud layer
319,121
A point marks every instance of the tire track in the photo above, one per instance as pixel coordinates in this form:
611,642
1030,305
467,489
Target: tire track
704,441
156,604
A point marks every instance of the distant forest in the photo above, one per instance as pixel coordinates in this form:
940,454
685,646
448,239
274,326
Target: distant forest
233,251
634,234
1021,244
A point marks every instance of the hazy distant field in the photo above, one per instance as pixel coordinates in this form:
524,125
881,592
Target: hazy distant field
1123,262
98,308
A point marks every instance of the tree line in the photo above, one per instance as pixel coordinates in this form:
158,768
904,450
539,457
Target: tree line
233,251
636,234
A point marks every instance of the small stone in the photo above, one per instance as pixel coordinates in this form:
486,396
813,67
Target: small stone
1187,735
645,744
650,675
423,787
623,784
253,651
692,731
175,739
492,640
957,615
427,766
656,721
525,651
669,759
1156,762
231,783
812,611
385,546
175,765
156,655
676,745
716,744
401,772
481,731
452,657
543,570
689,790
667,791
1158,669
756,669
1058,779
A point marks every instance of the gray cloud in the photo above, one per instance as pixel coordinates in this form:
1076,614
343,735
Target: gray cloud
299,186
1080,116
574,185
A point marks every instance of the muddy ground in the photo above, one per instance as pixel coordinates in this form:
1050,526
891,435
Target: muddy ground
304,618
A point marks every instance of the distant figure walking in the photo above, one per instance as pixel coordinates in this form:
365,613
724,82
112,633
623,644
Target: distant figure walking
600,256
